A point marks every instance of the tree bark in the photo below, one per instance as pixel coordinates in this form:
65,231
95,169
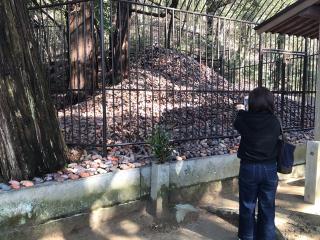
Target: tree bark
120,42
174,4
83,57
30,140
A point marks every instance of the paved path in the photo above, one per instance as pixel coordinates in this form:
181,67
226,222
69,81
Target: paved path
295,219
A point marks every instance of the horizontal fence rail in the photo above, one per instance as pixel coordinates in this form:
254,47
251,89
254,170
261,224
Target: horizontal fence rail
118,69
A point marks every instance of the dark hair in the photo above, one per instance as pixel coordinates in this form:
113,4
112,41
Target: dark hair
261,100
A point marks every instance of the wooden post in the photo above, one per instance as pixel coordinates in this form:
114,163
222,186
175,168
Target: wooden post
312,178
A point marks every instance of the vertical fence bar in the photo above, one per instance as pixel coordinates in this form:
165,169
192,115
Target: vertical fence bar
104,114
282,91
304,83
260,69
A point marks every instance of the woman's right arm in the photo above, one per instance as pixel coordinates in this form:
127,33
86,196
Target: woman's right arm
238,122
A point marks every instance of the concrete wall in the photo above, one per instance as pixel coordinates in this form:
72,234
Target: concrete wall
40,204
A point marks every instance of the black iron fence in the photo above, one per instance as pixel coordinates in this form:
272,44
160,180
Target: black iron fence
117,69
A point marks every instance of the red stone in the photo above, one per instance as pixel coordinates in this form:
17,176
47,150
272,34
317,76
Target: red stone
27,183
14,186
73,176
84,174
14,182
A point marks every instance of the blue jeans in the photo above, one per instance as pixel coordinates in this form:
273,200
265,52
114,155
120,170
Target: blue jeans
257,182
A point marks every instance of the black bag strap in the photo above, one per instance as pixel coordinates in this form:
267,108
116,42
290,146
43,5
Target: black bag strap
281,129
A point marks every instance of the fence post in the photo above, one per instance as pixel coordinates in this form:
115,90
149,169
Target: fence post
304,82
103,69
312,185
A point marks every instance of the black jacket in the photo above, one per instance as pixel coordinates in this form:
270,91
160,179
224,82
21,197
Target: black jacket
259,136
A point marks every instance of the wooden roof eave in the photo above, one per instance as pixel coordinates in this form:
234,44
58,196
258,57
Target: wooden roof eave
285,15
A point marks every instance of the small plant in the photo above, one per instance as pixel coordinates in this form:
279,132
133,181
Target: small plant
160,145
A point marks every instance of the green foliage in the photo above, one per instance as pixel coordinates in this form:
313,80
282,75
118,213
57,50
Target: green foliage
106,14
160,145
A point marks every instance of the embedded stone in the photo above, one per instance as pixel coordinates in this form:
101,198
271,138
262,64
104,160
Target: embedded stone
37,180
101,171
94,157
84,174
14,182
14,186
4,187
124,166
102,165
27,183
59,179
73,176
72,165
137,164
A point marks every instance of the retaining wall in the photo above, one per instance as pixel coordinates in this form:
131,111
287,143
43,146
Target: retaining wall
36,206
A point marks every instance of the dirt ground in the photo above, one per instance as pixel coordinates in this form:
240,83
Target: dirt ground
295,219
139,227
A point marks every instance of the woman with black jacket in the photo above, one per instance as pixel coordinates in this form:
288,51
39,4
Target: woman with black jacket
258,180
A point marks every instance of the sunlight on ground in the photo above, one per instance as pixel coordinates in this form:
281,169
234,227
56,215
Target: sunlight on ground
294,189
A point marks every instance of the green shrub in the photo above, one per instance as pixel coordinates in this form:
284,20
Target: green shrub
160,145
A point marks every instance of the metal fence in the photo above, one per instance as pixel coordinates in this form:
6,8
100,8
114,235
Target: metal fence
117,69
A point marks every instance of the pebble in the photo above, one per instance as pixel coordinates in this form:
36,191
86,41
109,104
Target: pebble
65,176
37,180
98,161
79,169
73,176
14,182
131,165
48,178
102,165
4,187
59,179
94,157
113,158
114,169
14,186
84,174
124,166
94,165
72,165
101,171
178,158
137,164
27,183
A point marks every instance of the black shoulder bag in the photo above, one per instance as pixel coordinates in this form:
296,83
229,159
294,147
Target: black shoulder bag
285,156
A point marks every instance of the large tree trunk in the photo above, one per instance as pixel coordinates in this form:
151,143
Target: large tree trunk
30,140
83,57
174,4
120,42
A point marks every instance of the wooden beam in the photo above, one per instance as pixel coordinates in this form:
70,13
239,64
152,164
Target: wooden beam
307,29
286,15
314,35
300,24
312,12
